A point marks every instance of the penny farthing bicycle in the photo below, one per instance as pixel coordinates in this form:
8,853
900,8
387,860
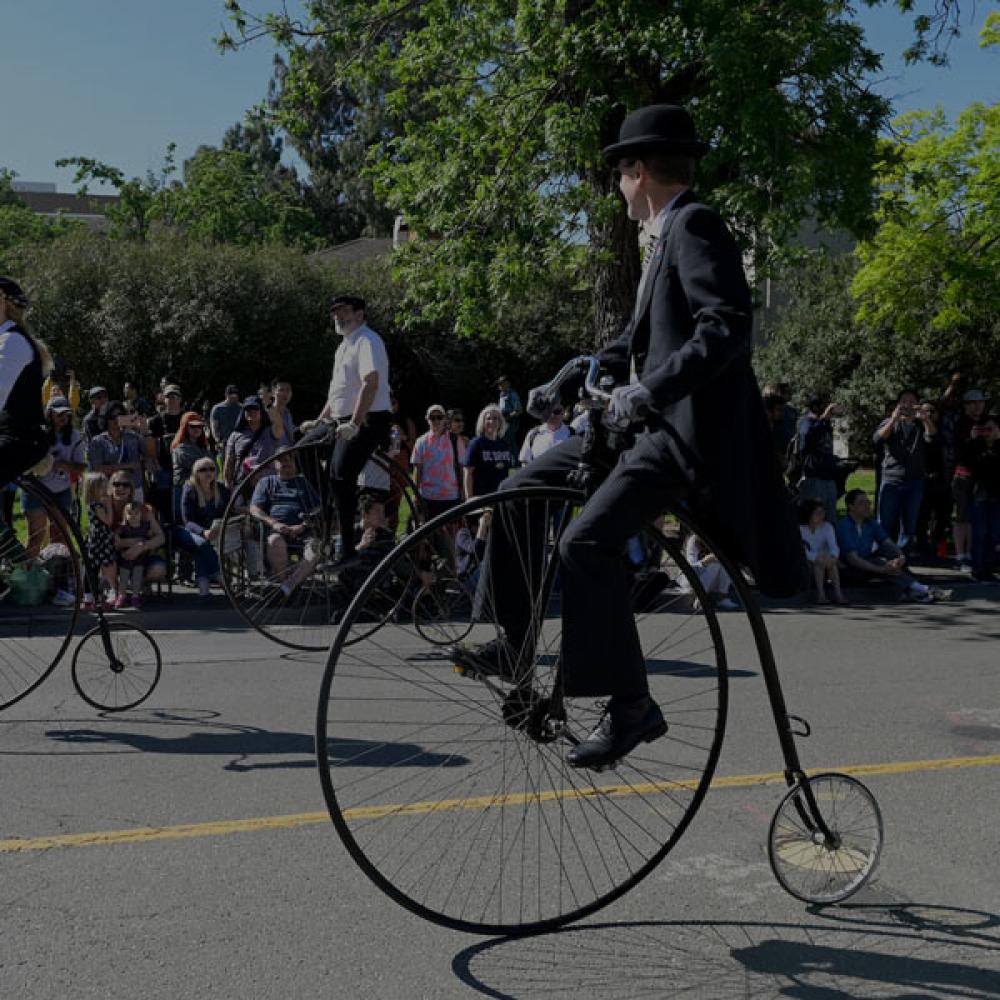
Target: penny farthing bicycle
116,665
452,791
296,597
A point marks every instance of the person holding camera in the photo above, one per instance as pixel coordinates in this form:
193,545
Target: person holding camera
820,466
902,437
981,456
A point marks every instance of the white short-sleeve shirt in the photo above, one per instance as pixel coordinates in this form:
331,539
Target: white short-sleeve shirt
360,353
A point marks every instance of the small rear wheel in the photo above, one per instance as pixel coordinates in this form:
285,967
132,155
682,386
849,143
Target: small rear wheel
119,673
812,866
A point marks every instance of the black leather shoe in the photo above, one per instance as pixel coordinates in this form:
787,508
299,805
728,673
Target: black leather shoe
496,658
622,728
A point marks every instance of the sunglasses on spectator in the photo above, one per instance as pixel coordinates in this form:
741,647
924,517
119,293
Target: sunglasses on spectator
436,416
120,485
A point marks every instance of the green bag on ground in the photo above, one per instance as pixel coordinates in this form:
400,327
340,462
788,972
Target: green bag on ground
29,586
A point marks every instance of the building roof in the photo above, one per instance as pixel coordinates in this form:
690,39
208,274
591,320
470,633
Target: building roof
90,208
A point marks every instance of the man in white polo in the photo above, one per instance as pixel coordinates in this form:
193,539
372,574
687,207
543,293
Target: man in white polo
358,402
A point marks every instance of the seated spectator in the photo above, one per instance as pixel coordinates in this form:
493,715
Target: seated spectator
123,494
714,579
435,464
866,551
539,439
822,552
189,444
490,456
901,437
982,458
284,502
118,449
66,452
131,555
259,433
223,416
203,503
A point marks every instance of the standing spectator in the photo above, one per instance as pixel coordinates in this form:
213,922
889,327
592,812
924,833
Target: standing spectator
62,383
281,390
456,428
406,424
358,400
95,422
982,457
489,458
433,461
162,429
134,403
539,439
68,464
223,417
866,551
902,437
203,503
957,433
511,408
402,434
189,444
266,395
118,449
100,537
934,519
818,462
822,551
774,407
258,434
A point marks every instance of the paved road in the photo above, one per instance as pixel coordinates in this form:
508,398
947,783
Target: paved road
180,850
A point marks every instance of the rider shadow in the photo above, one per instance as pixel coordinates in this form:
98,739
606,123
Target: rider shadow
243,743
685,669
901,955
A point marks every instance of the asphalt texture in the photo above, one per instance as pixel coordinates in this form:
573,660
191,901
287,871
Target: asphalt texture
225,896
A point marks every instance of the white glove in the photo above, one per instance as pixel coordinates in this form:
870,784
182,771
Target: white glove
347,431
539,405
630,403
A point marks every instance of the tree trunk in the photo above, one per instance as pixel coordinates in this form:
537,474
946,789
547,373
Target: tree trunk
615,280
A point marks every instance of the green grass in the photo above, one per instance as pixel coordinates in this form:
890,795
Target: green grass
863,479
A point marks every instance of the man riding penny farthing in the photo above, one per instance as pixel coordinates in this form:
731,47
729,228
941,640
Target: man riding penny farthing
696,433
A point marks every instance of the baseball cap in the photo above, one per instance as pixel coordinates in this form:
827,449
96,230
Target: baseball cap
435,410
59,404
172,390
974,396
10,289
98,390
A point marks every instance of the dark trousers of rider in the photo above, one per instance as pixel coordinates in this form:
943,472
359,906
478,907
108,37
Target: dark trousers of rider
601,652
349,458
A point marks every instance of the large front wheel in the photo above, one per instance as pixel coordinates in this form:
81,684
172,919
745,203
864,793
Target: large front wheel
452,791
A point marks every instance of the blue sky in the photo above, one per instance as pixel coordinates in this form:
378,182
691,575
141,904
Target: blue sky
117,80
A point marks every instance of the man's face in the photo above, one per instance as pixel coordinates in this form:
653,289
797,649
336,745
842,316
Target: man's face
437,421
861,507
232,397
99,401
285,466
907,404
556,418
975,408
283,393
632,186
173,401
346,319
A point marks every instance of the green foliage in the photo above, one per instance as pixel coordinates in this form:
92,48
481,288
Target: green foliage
19,226
491,117
931,273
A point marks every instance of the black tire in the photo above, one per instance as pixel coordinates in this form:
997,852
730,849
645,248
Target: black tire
808,865
307,617
123,679
34,639
452,793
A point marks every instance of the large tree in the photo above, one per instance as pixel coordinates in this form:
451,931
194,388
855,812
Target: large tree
503,105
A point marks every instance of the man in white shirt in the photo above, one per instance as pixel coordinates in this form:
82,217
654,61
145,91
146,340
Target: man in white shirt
358,402
545,436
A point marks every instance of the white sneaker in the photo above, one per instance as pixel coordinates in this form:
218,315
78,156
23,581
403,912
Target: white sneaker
965,566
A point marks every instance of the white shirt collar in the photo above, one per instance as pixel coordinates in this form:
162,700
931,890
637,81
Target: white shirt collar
656,226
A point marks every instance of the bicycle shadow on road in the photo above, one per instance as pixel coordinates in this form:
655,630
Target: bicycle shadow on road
903,951
243,745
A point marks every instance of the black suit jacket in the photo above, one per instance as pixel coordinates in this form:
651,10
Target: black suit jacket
690,338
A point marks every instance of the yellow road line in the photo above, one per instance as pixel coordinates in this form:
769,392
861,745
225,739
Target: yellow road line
223,827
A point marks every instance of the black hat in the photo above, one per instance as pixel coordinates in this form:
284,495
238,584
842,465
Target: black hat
10,289
354,301
231,389
656,128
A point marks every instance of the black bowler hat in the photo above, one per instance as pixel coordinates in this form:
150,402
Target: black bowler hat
656,128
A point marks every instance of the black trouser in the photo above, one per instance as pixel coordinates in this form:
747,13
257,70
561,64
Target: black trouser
19,451
349,458
601,652
934,519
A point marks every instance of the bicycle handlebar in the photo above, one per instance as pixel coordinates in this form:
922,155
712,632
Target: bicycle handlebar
548,393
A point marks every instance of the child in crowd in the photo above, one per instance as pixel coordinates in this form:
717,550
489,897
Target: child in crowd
100,537
132,530
714,579
822,551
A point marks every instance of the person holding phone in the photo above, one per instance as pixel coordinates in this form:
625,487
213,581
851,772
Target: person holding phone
119,448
